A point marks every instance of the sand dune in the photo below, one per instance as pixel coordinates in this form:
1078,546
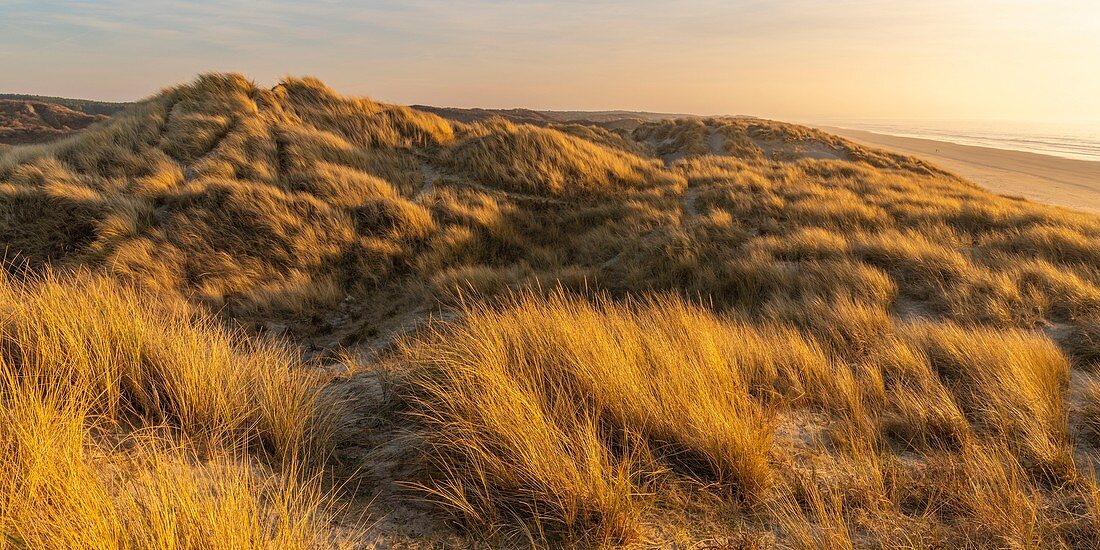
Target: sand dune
251,317
1052,180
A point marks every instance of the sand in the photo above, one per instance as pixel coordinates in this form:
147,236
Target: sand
1053,180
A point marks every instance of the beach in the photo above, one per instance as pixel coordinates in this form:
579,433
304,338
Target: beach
1053,180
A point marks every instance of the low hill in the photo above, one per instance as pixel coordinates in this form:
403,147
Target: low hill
705,331
612,120
33,121
86,106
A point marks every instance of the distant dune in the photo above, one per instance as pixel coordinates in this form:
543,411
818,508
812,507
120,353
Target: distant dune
86,106
612,120
34,122
1052,180
1043,178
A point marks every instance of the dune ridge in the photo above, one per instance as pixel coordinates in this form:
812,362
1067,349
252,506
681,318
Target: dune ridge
692,332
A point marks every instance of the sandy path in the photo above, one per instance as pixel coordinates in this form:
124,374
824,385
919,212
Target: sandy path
691,194
1052,180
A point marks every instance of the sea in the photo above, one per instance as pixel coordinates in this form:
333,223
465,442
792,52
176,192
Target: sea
1071,140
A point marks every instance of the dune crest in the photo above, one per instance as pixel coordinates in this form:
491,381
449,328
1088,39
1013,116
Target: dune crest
673,332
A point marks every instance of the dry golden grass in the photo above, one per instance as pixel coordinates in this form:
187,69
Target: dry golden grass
565,412
1012,385
239,195
769,333
1083,344
578,418
551,163
129,423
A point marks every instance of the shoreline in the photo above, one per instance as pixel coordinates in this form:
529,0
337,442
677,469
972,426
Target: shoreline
1059,181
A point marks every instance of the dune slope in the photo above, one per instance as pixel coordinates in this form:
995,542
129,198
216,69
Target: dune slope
694,331
35,121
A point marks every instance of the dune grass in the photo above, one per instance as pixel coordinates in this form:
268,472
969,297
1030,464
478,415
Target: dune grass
286,201
130,422
565,411
549,162
579,417
759,332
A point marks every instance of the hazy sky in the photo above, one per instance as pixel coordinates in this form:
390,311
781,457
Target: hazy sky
796,59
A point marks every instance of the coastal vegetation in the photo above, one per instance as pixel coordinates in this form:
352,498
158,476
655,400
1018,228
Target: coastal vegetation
237,316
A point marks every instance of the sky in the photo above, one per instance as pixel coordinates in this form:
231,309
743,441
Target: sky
1018,60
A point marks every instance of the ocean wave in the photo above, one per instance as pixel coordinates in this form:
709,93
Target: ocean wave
1079,143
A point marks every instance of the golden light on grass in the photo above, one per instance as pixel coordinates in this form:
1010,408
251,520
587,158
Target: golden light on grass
127,422
754,332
